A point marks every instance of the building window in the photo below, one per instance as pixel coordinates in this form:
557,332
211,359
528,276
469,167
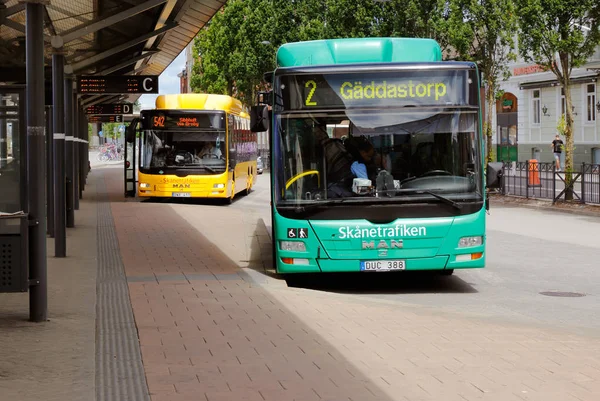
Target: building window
563,102
591,103
536,107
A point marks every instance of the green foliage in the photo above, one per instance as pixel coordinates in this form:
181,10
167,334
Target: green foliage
482,31
238,45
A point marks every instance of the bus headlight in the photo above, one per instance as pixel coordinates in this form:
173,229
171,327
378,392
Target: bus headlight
144,185
467,242
219,186
292,246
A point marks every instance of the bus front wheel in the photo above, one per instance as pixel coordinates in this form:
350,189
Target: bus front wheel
447,272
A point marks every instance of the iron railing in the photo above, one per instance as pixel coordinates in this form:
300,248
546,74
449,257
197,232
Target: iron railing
531,179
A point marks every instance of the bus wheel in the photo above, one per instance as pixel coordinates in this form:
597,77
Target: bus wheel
447,272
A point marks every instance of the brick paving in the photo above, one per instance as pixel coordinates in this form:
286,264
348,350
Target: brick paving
209,332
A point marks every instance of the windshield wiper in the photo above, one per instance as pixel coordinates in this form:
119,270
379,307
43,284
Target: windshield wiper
447,201
194,167
316,204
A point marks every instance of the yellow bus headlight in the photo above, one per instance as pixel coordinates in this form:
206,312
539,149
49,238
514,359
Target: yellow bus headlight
144,185
219,186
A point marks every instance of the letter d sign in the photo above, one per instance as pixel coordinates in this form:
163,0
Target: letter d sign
126,109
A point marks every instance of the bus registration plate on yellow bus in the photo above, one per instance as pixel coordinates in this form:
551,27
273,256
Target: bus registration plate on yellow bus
182,194
382,265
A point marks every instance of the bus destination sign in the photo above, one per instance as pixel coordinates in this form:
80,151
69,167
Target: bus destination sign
105,119
177,119
180,122
121,108
117,84
379,89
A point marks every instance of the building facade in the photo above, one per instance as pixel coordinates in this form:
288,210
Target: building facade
527,115
186,74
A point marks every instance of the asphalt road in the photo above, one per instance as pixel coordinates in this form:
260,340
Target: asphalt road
528,252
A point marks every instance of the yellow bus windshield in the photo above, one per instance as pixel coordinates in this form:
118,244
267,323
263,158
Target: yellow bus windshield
176,140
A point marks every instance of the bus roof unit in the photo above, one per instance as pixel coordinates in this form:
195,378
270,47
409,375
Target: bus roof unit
199,101
358,50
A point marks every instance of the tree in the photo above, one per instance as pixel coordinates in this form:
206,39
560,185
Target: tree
560,35
238,45
482,31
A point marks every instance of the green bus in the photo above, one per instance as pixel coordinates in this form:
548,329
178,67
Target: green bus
376,158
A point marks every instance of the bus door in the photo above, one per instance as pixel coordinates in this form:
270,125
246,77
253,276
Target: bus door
130,159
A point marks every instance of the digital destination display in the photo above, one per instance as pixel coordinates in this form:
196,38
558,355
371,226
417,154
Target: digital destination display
379,89
117,84
105,119
116,108
174,120
181,122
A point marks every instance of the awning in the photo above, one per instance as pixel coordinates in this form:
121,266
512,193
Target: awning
104,37
548,79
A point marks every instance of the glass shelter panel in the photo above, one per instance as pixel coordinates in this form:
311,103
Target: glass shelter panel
11,138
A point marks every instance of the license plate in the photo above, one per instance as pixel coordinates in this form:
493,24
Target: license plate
382,265
182,194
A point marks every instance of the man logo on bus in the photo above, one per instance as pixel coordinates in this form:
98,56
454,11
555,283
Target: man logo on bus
383,244
181,186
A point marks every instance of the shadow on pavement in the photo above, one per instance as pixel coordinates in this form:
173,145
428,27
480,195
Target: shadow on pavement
407,282
203,281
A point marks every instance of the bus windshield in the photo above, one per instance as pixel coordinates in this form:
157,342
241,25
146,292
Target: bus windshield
198,148
372,156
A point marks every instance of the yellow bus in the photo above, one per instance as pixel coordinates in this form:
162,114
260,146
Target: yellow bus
196,146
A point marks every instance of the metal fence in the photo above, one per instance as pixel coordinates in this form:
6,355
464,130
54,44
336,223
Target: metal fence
532,179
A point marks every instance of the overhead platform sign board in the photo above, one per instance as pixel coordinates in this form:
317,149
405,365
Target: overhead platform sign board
105,119
117,84
120,108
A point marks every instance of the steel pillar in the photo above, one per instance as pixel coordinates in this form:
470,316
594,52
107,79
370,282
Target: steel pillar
36,164
3,140
58,108
69,112
83,134
49,172
76,127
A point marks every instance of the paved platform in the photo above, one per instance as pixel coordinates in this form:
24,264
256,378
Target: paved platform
187,309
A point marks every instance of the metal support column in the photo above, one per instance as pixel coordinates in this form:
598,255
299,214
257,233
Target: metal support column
69,111
58,108
49,172
84,146
3,140
82,132
36,163
76,129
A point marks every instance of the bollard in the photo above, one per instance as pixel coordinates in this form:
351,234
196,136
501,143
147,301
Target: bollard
534,173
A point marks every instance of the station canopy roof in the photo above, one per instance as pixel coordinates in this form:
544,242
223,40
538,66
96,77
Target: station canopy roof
104,37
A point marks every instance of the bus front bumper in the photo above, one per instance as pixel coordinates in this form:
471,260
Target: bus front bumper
216,193
442,262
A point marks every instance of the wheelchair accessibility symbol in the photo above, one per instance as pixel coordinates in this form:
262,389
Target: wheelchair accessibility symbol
297,233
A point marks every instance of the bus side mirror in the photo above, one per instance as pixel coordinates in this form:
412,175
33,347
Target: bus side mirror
130,131
494,173
259,118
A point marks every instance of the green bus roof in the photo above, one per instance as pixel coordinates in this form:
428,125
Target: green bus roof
358,50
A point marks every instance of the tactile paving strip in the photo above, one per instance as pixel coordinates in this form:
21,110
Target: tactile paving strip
119,370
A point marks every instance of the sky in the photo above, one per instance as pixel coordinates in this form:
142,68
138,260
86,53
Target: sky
168,82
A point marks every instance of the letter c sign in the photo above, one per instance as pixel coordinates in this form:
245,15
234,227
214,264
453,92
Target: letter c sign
147,84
